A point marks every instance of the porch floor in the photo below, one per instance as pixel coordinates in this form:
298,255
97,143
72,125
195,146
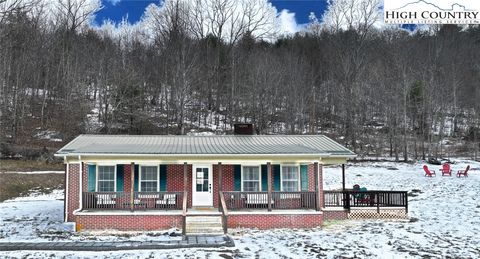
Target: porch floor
195,211
128,212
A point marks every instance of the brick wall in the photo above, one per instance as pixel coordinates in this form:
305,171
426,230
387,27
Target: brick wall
73,190
335,214
311,178
84,177
162,222
175,180
127,178
267,221
128,222
227,181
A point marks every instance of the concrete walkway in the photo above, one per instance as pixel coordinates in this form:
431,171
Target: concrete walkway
188,242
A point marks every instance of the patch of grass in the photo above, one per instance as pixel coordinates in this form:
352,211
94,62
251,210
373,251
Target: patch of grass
327,223
332,222
10,165
15,185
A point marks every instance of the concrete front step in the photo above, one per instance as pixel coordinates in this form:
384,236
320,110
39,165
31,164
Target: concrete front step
204,219
204,225
204,231
201,224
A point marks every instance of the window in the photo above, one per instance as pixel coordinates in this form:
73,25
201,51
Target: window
290,178
202,179
106,179
148,179
251,179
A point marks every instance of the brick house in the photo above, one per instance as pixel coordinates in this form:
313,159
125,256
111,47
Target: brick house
197,183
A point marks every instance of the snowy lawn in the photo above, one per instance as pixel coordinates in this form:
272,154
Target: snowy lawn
444,211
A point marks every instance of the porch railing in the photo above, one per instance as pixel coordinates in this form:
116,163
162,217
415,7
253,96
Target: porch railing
279,200
141,200
378,199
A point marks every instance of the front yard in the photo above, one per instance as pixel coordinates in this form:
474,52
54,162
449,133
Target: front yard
444,211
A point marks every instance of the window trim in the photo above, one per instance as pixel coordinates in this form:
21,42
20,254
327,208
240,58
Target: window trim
299,180
98,173
259,176
140,177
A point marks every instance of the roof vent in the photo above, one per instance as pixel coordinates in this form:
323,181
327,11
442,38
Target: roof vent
243,129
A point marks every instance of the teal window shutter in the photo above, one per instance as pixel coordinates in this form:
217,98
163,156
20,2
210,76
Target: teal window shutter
92,177
237,177
136,178
163,178
276,177
120,179
264,175
304,177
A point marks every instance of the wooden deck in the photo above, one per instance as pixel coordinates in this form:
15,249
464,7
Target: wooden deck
366,199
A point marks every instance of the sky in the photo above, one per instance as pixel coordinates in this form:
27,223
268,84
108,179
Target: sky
115,10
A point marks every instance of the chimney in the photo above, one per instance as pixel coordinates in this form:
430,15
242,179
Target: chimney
243,129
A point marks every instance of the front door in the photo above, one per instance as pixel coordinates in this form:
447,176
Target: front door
202,186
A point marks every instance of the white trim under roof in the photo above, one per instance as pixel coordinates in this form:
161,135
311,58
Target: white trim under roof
202,155
253,162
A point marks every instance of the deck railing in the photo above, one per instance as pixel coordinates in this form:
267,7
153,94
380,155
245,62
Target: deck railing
378,199
141,200
279,200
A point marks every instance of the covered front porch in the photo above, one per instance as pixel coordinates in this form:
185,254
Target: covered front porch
168,201
242,187
252,194
243,195
145,186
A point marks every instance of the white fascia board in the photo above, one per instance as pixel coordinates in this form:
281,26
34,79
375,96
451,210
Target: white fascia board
346,156
190,155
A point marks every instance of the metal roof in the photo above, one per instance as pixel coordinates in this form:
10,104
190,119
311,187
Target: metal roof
204,145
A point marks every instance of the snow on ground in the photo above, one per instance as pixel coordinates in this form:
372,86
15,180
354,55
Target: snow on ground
50,135
92,121
445,220
29,218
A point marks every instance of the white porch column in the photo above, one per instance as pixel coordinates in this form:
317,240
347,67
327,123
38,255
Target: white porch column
80,206
67,169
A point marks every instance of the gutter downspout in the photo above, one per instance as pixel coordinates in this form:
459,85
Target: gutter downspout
67,169
81,183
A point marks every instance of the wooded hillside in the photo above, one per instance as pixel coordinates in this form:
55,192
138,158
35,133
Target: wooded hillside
379,91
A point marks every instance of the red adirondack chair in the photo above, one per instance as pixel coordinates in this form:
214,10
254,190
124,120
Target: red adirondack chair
446,170
429,172
463,172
